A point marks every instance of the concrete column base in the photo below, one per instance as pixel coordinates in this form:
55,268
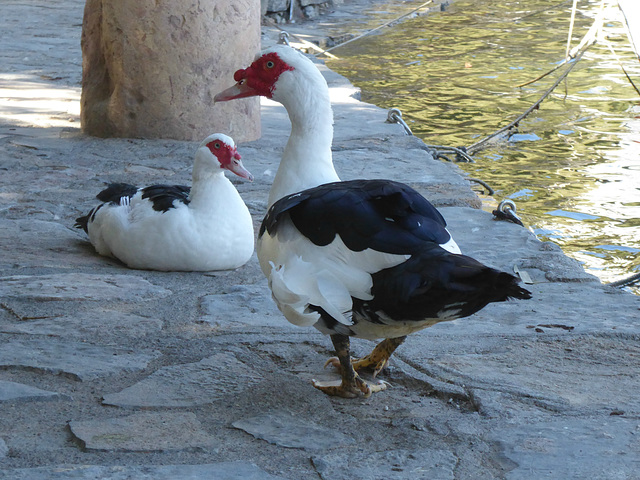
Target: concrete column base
151,69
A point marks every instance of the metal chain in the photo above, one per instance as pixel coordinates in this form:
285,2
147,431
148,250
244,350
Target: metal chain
507,211
395,116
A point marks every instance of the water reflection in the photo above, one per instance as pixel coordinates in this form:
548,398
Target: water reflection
573,166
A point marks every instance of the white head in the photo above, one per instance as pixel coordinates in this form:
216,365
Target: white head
218,151
279,72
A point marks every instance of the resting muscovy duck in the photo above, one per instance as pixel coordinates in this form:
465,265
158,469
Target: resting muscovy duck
174,227
363,258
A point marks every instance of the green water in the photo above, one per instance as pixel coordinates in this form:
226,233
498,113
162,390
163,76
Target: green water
573,166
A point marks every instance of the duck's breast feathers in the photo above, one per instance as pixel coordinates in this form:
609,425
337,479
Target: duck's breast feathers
163,197
382,215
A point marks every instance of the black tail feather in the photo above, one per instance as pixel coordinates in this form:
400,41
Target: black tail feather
83,222
435,281
112,194
508,284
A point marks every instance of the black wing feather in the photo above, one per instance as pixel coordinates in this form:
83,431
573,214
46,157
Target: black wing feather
115,191
164,196
161,196
383,215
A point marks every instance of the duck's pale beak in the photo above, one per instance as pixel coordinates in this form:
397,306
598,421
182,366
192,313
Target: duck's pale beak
239,90
237,167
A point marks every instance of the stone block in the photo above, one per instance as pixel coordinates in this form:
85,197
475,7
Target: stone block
20,393
278,5
41,319
227,470
142,432
242,305
289,431
418,463
306,3
188,385
79,361
79,286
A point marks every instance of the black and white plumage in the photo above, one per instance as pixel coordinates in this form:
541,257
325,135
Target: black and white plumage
174,227
388,266
364,258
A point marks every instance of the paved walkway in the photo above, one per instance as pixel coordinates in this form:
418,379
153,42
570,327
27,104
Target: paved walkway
111,373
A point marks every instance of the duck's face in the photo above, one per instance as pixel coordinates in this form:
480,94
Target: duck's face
226,154
259,79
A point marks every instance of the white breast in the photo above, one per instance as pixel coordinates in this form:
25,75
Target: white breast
301,273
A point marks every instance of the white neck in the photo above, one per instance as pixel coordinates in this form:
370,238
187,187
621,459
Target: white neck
207,180
306,161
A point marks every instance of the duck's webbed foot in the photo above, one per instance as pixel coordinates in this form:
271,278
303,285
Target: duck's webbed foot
340,388
351,385
376,361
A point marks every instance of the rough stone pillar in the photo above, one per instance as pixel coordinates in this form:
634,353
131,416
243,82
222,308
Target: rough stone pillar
150,68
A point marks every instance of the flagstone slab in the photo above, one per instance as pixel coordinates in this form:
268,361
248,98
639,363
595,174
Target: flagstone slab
79,361
286,430
210,471
19,392
80,286
85,325
189,384
544,369
39,243
573,447
142,432
418,464
243,304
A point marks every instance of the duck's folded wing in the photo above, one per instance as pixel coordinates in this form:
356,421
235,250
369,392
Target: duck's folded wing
382,215
164,197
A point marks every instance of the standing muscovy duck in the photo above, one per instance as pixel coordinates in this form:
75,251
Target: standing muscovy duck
177,228
364,258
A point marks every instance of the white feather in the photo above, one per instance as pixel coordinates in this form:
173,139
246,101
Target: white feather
451,246
302,274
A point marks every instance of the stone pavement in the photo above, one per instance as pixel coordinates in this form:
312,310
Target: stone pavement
112,373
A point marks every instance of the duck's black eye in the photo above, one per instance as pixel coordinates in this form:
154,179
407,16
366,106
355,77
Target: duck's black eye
270,64
216,145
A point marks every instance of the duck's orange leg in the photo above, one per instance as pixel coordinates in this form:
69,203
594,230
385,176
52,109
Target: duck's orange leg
350,385
376,360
